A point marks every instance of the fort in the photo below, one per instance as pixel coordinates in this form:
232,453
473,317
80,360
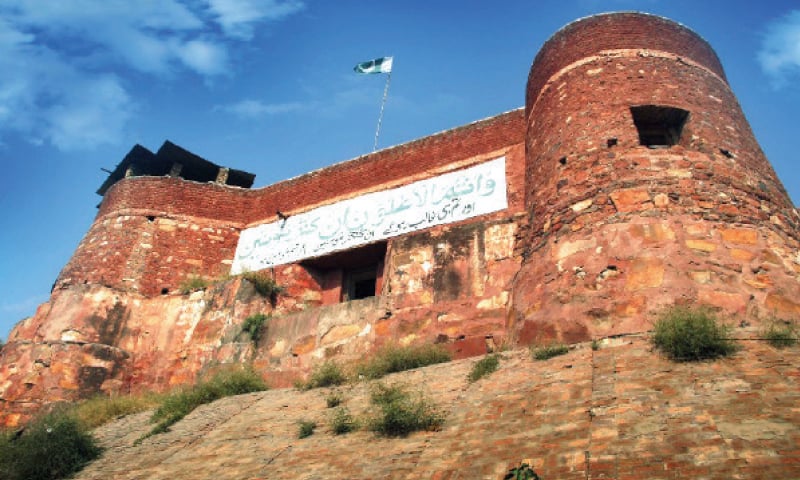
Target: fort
629,182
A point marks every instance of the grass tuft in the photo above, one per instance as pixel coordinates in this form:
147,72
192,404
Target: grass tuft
328,374
483,367
101,409
393,359
193,283
342,421
691,334
400,413
780,334
175,406
254,326
333,400
52,446
306,428
264,284
549,351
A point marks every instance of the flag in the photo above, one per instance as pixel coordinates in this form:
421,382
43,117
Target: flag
379,65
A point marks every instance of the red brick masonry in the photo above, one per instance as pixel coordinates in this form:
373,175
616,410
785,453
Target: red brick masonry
601,233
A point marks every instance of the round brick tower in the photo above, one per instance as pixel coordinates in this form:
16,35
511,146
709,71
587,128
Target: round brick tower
645,187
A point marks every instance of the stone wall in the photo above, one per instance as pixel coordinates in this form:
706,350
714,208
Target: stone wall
116,321
619,230
601,232
448,285
152,232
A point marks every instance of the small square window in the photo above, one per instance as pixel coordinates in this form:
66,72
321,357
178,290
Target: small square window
349,274
360,283
659,127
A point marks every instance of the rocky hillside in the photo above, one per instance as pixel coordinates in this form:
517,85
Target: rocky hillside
621,411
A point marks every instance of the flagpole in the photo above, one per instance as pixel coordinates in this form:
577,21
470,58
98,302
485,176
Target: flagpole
383,103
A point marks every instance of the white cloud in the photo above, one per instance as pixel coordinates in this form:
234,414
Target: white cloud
250,109
780,49
204,57
238,17
44,97
62,65
93,115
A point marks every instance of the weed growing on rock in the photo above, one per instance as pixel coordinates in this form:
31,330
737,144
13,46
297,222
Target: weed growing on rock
254,326
264,285
400,413
307,428
342,421
193,283
523,472
51,447
595,345
333,400
397,359
101,409
329,374
483,367
690,334
549,351
225,383
780,334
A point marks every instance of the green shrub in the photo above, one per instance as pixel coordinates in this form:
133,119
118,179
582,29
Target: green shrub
254,326
175,406
400,413
549,351
690,334
193,283
307,428
523,472
595,345
397,359
51,447
333,400
780,334
484,367
264,284
329,374
101,409
342,421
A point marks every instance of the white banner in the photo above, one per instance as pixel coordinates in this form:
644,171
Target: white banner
375,216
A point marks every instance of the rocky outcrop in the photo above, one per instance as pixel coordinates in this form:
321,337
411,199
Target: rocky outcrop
449,287
620,412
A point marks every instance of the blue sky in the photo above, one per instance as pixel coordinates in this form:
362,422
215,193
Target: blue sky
267,86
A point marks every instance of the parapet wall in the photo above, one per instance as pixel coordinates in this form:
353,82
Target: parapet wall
590,36
152,232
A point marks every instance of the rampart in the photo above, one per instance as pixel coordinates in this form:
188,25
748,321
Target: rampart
632,179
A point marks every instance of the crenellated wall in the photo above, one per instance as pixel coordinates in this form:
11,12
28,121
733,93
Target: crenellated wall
600,233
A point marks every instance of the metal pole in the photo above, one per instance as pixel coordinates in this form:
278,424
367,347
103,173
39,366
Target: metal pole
380,117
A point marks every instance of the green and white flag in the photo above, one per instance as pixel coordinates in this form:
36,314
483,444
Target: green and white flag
379,65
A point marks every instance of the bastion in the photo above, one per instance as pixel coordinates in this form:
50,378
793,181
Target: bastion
629,182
